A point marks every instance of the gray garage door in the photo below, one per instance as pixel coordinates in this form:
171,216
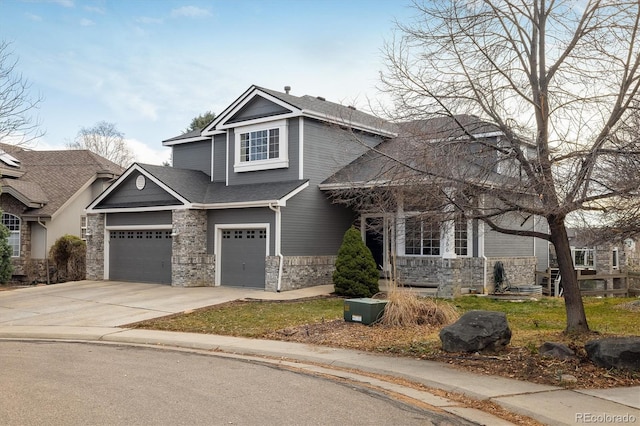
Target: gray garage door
142,256
243,257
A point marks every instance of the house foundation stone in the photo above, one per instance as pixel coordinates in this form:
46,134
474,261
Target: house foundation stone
191,265
299,272
95,246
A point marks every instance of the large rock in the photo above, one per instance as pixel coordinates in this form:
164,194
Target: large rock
477,331
556,350
615,352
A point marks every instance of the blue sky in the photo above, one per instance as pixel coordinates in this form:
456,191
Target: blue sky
150,66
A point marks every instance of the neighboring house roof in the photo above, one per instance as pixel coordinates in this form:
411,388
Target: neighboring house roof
309,106
450,127
195,188
49,179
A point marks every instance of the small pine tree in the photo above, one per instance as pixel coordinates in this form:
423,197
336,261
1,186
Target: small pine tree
6,268
356,274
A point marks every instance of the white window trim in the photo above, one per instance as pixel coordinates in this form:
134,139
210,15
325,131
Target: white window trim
18,233
83,226
615,255
272,163
469,240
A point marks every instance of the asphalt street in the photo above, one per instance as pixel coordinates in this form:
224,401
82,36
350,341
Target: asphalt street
87,384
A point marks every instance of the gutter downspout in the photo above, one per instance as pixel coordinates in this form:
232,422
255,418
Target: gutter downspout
46,256
278,253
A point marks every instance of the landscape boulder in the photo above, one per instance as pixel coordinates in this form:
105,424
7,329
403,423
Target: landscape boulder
555,350
615,352
477,331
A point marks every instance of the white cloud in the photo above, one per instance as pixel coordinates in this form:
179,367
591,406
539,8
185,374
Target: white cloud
31,16
149,20
63,3
148,155
190,12
95,9
84,22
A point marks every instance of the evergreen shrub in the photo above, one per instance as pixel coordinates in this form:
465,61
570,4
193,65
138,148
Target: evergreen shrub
356,274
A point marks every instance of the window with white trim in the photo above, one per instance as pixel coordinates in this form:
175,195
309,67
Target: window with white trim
261,147
12,223
421,237
584,257
615,259
83,227
461,237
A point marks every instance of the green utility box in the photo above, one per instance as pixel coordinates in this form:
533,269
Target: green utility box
363,310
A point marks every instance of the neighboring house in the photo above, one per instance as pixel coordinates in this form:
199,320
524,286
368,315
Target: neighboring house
248,203
44,196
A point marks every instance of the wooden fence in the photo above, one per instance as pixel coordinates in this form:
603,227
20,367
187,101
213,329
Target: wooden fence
591,283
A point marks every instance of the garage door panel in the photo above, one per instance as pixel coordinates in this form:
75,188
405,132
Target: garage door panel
143,256
243,256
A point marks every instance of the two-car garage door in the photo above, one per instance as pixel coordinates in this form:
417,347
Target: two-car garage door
143,256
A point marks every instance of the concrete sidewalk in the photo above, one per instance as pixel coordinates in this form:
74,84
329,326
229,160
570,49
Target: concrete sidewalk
547,404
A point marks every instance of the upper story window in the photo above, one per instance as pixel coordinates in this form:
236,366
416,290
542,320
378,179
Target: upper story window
261,147
12,223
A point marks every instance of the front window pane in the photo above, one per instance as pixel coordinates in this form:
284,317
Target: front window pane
412,236
430,239
274,143
461,237
260,145
244,147
421,237
13,225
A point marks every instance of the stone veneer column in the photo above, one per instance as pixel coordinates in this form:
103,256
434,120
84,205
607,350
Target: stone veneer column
95,246
191,266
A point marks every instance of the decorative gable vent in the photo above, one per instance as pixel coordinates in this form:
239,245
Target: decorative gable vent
8,159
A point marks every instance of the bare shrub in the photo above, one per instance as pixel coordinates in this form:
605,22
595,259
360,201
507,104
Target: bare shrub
405,308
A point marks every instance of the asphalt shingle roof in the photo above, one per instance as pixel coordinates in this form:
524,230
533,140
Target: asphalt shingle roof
55,175
196,187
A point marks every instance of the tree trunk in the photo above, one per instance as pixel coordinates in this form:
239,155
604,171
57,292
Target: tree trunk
576,317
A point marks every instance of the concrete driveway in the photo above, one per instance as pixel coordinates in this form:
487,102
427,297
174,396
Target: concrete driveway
115,303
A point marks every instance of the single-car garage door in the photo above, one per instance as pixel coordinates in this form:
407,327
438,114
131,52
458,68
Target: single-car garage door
143,256
243,255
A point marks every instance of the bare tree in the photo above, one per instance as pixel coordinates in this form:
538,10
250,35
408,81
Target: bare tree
559,79
16,124
105,140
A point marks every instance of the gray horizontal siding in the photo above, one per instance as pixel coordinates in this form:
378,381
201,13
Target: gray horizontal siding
142,218
504,245
312,225
328,148
258,107
193,156
128,195
219,158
